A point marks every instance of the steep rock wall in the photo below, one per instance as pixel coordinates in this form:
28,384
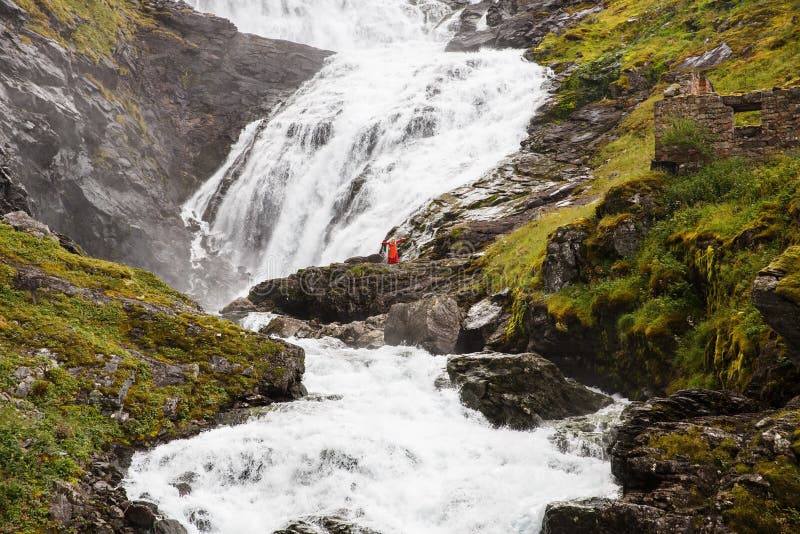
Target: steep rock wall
109,147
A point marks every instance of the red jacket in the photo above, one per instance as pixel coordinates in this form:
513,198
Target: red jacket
394,256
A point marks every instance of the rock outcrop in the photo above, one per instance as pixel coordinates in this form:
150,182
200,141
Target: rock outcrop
515,23
562,262
519,390
775,295
13,196
354,292
108,145
433,324
698,461
550,170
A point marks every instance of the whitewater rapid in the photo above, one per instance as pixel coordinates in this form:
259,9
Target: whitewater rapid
375,442
391,122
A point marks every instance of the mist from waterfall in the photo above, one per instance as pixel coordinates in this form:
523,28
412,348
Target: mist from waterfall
390,122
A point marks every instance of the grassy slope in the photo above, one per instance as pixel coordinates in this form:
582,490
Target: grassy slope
52,433
677,296
678,313
92,27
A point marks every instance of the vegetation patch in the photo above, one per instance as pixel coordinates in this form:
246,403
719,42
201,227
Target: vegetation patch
93,27
79,369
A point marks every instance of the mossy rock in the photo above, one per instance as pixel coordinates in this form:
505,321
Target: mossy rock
96,353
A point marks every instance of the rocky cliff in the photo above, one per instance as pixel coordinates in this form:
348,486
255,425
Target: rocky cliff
113,114
698,461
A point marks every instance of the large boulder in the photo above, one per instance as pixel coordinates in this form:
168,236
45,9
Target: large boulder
606,516
519,390
353,292
433,324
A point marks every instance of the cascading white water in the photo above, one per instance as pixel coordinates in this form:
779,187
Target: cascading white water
390,122
375,442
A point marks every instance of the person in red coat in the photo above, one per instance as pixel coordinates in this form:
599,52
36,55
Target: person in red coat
394,256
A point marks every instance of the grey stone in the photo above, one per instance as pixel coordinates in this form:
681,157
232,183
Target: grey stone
672,91
562,262
433,324
780,313
141,514
21,221
708,59
324,525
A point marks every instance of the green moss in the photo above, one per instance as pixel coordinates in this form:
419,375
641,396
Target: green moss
93,27
679,312
752,515
648,35
588,83
114,279
789,263
120,319
693,445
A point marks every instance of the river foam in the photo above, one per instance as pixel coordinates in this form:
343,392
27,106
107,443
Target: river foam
375,441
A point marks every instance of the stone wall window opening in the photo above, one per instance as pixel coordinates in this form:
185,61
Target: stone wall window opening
747,119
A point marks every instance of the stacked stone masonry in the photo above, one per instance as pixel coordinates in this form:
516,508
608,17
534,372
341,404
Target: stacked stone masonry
779,129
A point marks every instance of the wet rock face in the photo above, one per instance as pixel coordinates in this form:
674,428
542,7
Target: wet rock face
433,324
519,390
515,23
13,196
780,313
108,151
697,461
562,262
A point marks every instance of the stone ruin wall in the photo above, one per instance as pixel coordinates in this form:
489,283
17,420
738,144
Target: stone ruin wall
779,130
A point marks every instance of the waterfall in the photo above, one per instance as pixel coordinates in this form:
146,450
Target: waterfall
375,442
390,122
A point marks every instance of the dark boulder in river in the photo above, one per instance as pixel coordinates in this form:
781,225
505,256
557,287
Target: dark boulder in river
519,390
